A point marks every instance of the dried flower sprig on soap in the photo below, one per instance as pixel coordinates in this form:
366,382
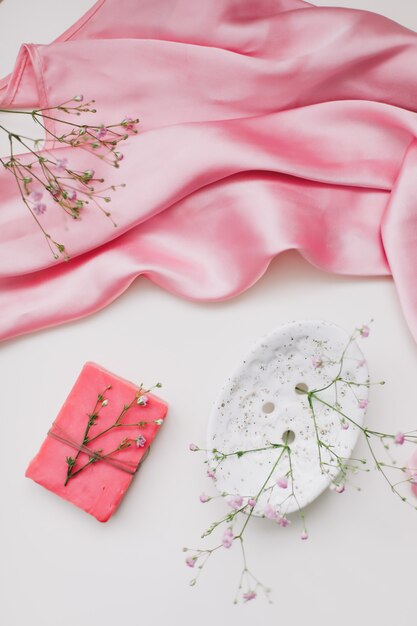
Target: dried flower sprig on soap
45,180
340,469
99,455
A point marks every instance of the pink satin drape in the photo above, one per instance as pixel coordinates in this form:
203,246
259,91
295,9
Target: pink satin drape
266,125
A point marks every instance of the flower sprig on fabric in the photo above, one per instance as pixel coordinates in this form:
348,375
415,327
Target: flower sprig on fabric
43,179
234,523
140,399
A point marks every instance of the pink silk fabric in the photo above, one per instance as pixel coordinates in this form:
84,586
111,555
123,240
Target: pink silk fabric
266,125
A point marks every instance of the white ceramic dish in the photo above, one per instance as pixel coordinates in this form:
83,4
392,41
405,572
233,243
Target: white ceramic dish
259,404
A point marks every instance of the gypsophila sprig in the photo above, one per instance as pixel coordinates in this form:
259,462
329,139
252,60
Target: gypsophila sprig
73,468
45,180
231,529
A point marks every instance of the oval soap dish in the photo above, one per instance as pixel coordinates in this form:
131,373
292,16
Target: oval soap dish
265,406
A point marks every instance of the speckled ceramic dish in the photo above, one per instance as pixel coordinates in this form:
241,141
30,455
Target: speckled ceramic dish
261,403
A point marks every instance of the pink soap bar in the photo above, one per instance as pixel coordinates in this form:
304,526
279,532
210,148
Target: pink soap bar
110,460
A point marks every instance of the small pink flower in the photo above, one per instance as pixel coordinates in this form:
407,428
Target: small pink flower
364,331
340,488
399,439
211,474
61,164
251,502
283,521
345,425
304,535
193,447
39,208
35,196
143,400
128,123
362,404
235,502
78,98
140,441
88,174
249,595
204,498
282,482
317,362
191,561
119,156
227,539
270,512
54,189
71,195
101,132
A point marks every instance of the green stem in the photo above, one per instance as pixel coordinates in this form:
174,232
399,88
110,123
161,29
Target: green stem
70,469
262,489
117,422
96,457
87,440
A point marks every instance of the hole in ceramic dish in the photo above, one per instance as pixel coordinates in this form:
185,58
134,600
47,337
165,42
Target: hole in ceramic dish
301,388
288,437
268,407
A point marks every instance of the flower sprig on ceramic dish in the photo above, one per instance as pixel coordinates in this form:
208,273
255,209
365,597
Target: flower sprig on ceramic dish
280,474
45,179
140,399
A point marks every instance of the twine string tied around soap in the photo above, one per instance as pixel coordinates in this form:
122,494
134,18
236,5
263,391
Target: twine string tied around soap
58,433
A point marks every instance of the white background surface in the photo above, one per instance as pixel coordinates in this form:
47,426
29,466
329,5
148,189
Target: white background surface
59,567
